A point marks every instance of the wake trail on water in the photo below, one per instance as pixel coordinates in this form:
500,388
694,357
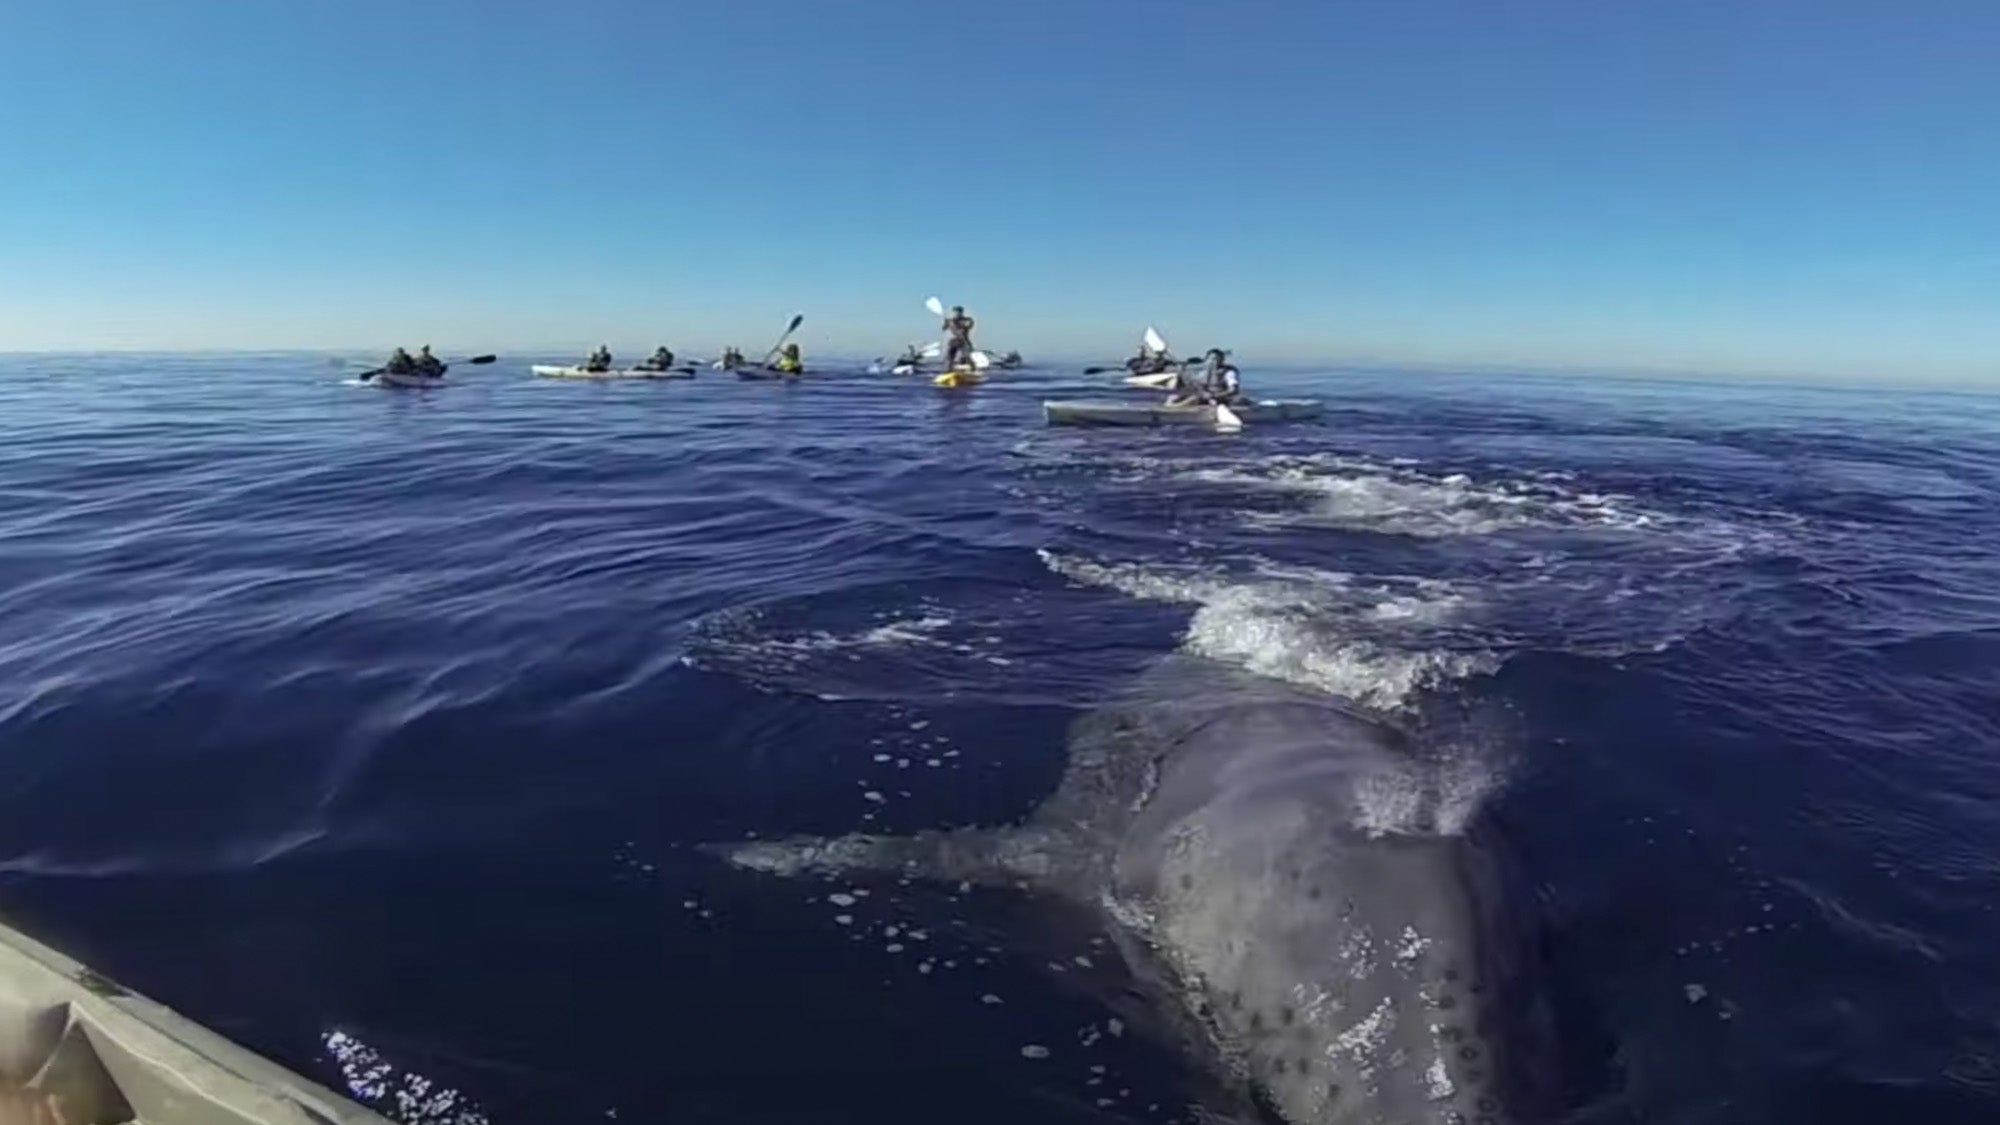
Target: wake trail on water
1340,633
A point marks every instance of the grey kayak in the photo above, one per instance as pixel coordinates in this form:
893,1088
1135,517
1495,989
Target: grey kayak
1081,413
410,379
107,1054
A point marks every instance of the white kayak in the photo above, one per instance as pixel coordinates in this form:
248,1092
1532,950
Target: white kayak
81,1047
905,369
1082,413
410,379
549,372
1158,381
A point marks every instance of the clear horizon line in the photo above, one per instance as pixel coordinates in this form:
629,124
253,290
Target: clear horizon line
1564,368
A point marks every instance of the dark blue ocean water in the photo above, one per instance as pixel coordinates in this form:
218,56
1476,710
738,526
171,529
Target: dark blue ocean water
375,728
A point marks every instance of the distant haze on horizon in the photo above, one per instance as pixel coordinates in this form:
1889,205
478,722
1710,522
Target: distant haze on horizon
1778,187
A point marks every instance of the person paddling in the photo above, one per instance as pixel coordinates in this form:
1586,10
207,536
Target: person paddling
663,358
400,363
1149,362
600,360
790,362
1220,381
428,364
731,359
958,339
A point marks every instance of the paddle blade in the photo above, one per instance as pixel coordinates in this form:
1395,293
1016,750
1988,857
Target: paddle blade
794,325
1226,419
478,360
936,306
1154,342
932,350
980,362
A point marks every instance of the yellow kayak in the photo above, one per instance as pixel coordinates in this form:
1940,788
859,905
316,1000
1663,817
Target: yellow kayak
960,379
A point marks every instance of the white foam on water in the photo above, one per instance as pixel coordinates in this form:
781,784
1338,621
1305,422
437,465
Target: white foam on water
1370,640
408,1096
1405,500
733,641
1434,795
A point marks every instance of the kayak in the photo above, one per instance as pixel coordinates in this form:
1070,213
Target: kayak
410,379
765,373
960,379
905,369
1080,413
548,372
109,1054
1159,381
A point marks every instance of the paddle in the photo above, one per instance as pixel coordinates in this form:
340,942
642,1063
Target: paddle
936,306
475,361
1226,419
789,329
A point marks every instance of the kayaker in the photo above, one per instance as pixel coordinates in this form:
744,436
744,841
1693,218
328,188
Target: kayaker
790,361
731,359
600,360
1148,362
428,364
958,338
1220,381
400,363
663,359
911,357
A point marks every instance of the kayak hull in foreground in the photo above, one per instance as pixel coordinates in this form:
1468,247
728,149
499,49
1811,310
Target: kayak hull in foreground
1079,413
550,372
765,373
959,379
109,1054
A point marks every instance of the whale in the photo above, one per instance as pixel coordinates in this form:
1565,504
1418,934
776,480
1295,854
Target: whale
1329,969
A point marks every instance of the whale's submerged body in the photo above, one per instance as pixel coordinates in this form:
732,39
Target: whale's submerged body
1341,976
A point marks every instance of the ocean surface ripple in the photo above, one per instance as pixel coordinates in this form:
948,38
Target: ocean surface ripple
375,728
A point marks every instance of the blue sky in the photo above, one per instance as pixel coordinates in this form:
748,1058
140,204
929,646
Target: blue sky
1759,185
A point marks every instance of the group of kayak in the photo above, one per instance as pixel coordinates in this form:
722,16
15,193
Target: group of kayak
1217,381
784,361
1208,394
1208,391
